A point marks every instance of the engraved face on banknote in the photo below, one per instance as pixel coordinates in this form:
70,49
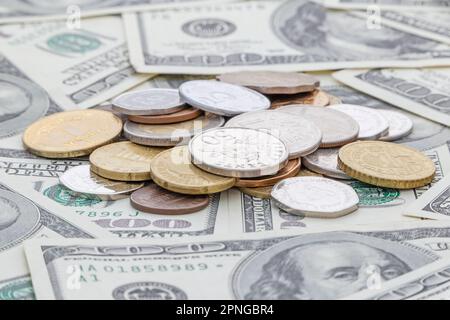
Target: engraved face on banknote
329,266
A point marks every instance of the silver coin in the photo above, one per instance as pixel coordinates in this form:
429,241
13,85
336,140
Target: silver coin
300,135
222,98
81,179
238,152
337,127
149,102
164,135
399,125
315,197
325,161
372,124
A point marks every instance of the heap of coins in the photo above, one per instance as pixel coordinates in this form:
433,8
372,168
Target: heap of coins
270,134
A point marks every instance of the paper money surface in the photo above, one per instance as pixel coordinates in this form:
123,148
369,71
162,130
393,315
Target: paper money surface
400,5
420,91
296,35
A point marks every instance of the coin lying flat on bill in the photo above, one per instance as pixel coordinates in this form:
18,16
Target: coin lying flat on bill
81,179
325,161
173,170
399,125
372,124
300,135
386,164
71,133
337,127
315,197
154,199
238,152
180,116
272,82
222,98
153,101
316,98
123,161
170,134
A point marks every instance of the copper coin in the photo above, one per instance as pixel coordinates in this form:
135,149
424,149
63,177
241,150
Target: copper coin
316,98
180,116
290,170
154,199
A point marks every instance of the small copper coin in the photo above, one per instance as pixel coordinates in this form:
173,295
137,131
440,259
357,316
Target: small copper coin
316,98
290,170
154,199
180,116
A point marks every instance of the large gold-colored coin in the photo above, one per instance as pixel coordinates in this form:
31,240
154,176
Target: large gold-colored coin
71,133
386,164
173,170
124,161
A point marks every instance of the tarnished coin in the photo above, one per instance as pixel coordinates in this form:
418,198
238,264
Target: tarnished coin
290,170
315,197
81,179
300,135
372,124
222,98
316,98
123,161
170,134
154,199
399,125
272,82
325,161
333,99
173,170
153,101
71,133
386,164
180,116
337,127
238,152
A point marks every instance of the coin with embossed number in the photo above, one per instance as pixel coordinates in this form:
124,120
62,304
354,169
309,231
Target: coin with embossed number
81,179
325,161
272,82
222,98
315,197
180,116
238,152
300,135
337,127
154,199
372,124
399,125
153,101
316,98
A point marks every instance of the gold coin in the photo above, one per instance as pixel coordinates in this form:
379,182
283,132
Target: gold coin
72,133
316,98
123,161
386,164
173,170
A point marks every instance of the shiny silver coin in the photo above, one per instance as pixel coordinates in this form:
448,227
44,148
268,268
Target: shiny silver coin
337,127
222,98
149,102
238,152
81,179
165,135
325,161
315,197
300,135
372,124
399,125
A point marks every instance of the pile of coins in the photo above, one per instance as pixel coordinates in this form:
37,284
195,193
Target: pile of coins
270,134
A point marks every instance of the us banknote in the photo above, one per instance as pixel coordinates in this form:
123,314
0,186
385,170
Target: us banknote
79,68
317,264
291,35
420,91
400,5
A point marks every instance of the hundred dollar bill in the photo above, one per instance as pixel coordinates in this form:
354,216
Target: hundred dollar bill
79,68
433,204
420,91
431,282
400,5
291,35
328,263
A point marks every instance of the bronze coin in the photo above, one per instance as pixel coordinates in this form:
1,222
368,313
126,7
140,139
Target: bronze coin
180,116
154,199
316,98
